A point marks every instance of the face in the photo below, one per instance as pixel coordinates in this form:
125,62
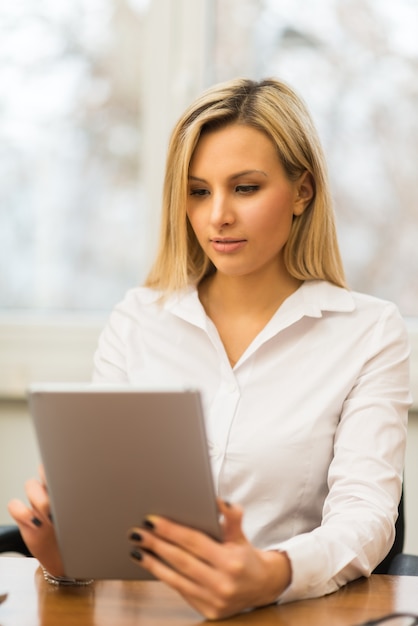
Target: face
240,201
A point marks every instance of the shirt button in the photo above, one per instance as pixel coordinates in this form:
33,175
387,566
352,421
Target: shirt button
232,388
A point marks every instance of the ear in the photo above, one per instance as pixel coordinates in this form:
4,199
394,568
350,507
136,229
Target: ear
305,191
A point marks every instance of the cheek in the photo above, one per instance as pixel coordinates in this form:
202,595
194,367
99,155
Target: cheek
275,216
191,217
195,223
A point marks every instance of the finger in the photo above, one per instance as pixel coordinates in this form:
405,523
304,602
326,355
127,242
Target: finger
42,476
39,536
232,516
22,514
190,540
202,567
197,595
38,499
164,554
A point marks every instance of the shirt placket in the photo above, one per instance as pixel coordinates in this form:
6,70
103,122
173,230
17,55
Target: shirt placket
222,415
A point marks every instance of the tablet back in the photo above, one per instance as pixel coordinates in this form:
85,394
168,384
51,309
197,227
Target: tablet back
111,458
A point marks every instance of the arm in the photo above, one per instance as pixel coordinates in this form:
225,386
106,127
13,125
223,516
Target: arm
365,475
110,356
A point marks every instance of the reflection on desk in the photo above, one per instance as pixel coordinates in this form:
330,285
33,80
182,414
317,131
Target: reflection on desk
33,602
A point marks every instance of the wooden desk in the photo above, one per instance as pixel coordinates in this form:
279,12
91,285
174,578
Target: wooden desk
33,602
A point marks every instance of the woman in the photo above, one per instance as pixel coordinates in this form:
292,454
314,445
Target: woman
305,383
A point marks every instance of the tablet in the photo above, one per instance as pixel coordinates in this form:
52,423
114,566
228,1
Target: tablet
112,456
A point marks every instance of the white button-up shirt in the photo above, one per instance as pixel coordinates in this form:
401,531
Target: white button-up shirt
307,432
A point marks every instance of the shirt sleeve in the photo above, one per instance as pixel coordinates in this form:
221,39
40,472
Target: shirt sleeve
365,475
111,354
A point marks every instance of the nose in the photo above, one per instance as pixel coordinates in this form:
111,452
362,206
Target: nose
222,211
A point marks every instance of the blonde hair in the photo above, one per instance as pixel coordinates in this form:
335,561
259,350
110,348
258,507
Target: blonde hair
311,251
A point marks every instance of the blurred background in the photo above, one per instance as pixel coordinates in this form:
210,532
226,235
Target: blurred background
89,91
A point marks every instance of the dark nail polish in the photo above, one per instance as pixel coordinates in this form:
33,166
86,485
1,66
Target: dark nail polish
148,524
135,536
227,504
51,519
36,522
137,555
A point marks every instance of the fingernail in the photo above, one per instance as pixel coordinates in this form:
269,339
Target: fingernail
135,536
149,524
51,519
227,504
137,555
36,522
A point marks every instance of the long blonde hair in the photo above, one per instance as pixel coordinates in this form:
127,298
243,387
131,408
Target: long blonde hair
271,106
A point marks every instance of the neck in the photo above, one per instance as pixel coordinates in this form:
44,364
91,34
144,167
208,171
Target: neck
246,294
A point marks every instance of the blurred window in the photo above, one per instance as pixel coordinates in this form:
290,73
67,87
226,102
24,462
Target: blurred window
70,184
355,63
89,90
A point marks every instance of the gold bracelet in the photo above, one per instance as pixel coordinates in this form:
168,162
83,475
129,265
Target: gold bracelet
64,580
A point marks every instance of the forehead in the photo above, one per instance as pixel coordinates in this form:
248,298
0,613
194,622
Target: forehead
233,143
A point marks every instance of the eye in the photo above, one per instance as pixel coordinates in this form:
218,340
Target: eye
247,189
198,191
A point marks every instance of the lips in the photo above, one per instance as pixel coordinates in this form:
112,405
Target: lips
227,245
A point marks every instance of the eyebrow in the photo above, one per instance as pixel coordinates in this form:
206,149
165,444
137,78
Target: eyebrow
233,177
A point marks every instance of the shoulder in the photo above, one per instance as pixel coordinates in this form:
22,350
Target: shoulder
354,312
377,309
379,319
139,296
140,303
328,297
368,301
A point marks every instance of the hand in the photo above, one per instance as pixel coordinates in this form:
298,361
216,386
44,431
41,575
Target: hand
36,526
218,579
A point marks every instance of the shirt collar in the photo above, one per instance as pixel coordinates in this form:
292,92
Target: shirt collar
319,296
311,299
186,305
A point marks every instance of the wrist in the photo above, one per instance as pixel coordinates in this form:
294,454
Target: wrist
279,572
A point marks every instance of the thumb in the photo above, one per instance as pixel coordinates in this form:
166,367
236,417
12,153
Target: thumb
232,515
